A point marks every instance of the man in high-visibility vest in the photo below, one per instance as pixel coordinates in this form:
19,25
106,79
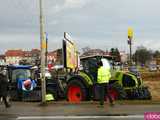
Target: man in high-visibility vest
103,77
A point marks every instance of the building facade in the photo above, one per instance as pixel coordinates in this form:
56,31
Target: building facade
2,60
31,57
14,56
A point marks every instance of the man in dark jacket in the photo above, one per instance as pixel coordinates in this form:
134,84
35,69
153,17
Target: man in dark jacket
4,88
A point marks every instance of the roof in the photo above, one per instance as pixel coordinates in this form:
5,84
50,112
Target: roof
12,53
92,56
21,53
20,66
52,53
94,52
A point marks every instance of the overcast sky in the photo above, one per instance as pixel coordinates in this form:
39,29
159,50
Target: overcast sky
95,23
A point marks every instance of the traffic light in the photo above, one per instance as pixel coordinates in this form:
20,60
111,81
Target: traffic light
130,33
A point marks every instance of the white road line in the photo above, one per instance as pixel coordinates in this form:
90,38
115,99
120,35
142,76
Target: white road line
78,117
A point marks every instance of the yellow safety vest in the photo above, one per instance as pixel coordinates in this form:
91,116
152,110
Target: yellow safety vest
103,75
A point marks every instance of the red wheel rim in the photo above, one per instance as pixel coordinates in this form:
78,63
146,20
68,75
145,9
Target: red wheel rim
74,94
114,94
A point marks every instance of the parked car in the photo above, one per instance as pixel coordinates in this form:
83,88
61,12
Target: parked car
134,70
152,67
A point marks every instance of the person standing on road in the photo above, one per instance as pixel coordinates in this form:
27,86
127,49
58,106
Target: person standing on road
4,88
103,77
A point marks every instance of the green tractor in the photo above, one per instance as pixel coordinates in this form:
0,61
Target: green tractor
123,85
83,85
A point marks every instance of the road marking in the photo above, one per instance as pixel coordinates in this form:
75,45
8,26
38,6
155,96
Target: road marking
78,117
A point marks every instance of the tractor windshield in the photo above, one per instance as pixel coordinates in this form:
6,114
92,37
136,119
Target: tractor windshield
20,74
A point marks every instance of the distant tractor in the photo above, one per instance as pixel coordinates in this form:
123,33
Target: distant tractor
22,85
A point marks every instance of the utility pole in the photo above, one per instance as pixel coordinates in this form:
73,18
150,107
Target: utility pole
43,52
46,62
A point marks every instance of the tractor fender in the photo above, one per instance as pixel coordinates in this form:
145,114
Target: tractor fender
87,77
115,86
78,77
112,81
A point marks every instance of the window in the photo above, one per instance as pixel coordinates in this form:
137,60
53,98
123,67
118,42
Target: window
127,81
20,74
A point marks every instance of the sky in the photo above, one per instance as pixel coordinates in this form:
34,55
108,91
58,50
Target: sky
101,24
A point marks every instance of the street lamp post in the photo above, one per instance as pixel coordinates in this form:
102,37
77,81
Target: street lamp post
130,37
43,52
130,49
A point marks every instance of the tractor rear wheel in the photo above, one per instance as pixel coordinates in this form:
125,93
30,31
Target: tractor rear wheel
76,91
116,91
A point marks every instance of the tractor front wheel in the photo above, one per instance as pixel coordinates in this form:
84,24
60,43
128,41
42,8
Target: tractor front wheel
146,93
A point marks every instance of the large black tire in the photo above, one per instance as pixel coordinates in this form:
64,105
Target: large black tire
146,93
76,91
141,93
121,94
32,96
13,94
134,94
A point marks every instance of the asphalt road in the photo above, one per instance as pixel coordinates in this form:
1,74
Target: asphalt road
129,117
67,111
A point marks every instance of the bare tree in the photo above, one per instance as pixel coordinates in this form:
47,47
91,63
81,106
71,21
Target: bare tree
86,49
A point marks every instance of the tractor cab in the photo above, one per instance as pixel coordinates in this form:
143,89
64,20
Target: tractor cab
19,74
16,73
90,66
